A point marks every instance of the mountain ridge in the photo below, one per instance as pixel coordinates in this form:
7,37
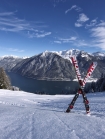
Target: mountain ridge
55,65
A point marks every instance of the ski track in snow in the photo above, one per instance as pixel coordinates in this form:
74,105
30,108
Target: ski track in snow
30,116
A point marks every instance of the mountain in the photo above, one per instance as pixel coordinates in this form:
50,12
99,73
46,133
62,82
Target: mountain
100,54
85,59
54,65
8,62
66,54
47,65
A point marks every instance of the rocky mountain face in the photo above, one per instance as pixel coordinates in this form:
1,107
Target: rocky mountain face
46,65
85,59
55,65
8,62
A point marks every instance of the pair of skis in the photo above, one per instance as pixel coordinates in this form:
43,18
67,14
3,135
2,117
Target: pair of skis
81,84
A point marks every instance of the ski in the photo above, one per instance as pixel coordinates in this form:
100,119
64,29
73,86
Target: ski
82,84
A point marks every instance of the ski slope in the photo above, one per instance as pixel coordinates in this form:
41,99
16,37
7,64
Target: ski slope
29,116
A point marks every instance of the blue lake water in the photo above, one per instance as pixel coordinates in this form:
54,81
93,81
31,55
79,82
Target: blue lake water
42,86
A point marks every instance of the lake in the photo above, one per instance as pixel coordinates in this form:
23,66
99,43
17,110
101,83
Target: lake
42,86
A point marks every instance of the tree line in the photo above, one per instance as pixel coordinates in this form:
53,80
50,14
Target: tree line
98,86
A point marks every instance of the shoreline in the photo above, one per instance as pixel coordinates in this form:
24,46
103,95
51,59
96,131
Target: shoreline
55,79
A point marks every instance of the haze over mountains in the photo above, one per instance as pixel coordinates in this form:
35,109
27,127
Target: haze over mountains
54,65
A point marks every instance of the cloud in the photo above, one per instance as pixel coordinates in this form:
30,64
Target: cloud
59,42
12,49
78,24
74,41
92,23
10,23
80,43
75,7
6,13
98,33
67,40
82,19
55,2
38,34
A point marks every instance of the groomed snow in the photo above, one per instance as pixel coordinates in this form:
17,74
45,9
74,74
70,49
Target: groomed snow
29,116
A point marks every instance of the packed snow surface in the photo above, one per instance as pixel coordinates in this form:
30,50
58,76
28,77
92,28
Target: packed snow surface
29,116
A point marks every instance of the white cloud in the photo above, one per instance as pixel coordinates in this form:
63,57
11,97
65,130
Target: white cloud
80,43
102,23
74,41
38,34
92,23
9,22
55,2
43,34
6,13
12,49
59,42
98,33
78,24
66,40
75,7
82,19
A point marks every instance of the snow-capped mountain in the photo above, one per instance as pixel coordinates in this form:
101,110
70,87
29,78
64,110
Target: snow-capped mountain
99,54
9,56
66,54
54,65
47,65
8,62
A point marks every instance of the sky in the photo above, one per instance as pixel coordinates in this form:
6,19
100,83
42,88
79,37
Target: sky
29,27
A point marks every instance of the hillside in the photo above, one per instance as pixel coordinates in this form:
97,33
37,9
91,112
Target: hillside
30,116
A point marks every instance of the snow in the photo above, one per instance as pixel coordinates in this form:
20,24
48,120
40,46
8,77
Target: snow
13,56
89,80
9,56
101,54
66,54
29,116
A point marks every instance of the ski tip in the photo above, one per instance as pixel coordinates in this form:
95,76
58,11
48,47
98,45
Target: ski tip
88,113
67,111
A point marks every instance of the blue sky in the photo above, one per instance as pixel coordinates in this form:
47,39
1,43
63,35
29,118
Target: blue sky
29,27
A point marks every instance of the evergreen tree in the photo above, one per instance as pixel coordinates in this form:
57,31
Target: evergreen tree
99,83
4,80
99,86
